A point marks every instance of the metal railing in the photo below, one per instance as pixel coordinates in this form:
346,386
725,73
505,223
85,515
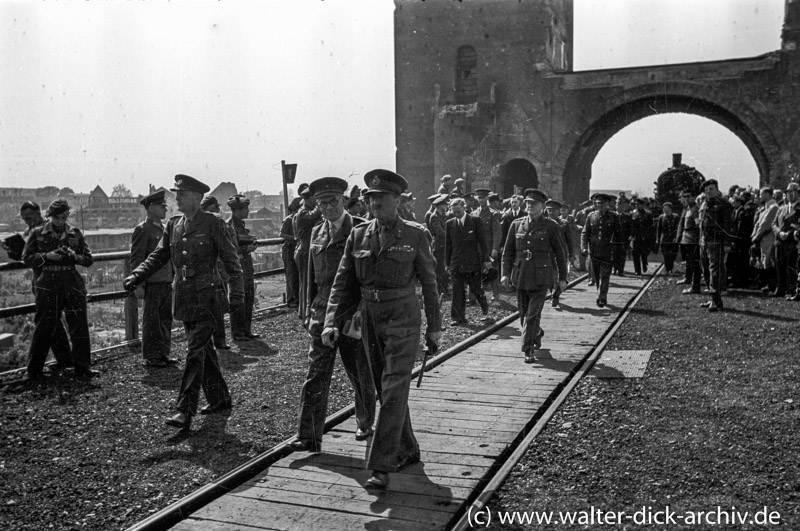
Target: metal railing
131,308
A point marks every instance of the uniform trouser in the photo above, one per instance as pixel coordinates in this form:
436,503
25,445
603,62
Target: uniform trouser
691,256
705,266
62,351
442,276
785,263
530,304
639,252
314,396
581,262
715,253
157,321
670,252
473,281
301,260
620,254
291,274
601,271
219,328
202,369
391,338
57,292
242,314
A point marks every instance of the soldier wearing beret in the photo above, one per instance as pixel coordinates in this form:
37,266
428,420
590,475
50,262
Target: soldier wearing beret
211,204
302,223
328,239
601,229
382,262
534,245
156,292
715,225
287,253
193,243
31,214
242,316
54,249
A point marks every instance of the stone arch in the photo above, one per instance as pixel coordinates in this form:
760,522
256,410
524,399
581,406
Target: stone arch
580,147
518,172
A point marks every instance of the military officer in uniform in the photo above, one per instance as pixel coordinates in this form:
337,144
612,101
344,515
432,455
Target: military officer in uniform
55,248
328,240
492,228
31,214
438,222
302,223
211,204
382,261
553,209
242,315
287,253
715,225
600,230
626,225
666,232
194,242
156,293
533,247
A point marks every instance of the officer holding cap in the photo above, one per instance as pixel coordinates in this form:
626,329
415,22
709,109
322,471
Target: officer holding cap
302,223
533,247
55,248
600,230
328,240
156,292
382,261
193,243
242,316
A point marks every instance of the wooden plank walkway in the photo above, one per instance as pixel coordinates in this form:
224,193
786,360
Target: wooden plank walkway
466,415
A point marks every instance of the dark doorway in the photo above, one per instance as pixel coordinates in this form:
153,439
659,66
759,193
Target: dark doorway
517,175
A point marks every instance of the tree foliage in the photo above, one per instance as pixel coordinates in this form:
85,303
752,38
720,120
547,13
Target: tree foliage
120,190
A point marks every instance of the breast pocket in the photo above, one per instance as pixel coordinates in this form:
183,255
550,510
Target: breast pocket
398,268
363,259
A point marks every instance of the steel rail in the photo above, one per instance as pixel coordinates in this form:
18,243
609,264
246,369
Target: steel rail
539,421
181,509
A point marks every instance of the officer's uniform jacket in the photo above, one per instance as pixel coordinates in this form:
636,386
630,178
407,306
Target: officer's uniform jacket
715,220
146,236
598,233
689,227
532,249
506,220
241,235
44,239
302,223
641,228
437,223
492,228
667,228
198,291
625,226
385,270
325,254
465,250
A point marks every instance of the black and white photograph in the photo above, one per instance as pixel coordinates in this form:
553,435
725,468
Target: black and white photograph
399,264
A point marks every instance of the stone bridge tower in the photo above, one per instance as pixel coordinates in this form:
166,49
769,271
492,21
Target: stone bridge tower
485,90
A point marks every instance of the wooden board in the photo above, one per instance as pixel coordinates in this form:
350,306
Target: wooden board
465,416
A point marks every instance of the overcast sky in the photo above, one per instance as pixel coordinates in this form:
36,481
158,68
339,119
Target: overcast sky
134,92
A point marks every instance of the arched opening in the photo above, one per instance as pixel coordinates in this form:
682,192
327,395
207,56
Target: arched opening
466,75
634,157
516,175
645,104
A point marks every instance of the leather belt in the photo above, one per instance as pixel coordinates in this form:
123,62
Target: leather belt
382,295
58,268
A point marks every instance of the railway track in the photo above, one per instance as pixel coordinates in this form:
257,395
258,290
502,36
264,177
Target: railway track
181,509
